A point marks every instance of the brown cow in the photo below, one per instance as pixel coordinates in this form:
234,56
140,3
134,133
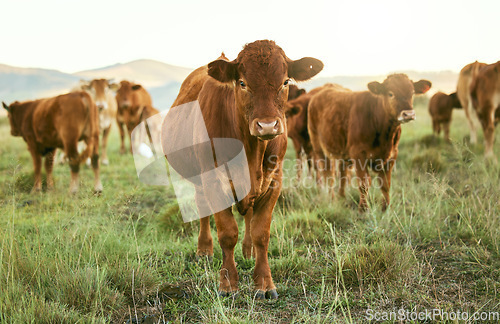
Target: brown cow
101,91
362,128
485,95
134,106
59,122
245,99
440,108
467,74
297,125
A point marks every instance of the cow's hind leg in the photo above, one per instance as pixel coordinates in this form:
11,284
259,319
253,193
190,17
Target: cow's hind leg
247,240
205,241
74,164
488,124
364,183
94,158
105,135
122,137
49,165
227,232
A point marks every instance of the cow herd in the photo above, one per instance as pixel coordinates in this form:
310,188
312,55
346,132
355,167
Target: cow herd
85,114
478,93
251,99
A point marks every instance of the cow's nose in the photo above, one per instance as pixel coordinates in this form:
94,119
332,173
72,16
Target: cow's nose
266,128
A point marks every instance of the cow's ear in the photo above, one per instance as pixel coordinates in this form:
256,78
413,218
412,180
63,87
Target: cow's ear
301,92
84,85
223,71
136,87
292,110
114,86
422,86
304,69
376,88
5,106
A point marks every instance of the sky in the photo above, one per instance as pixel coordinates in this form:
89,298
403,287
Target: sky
351,37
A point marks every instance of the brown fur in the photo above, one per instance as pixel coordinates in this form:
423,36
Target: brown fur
485,95
440,108
101,92
297,125
132,99
59,122
361,128
237,95
467,74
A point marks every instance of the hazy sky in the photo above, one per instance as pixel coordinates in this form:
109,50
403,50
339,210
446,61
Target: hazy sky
350,37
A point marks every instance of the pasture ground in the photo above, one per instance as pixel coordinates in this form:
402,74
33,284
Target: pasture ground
127,253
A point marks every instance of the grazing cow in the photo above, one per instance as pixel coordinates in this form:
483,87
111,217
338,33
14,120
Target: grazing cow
440,108
245,99
134,106
362,129
467,74
101,91
59,122
297,125
485,95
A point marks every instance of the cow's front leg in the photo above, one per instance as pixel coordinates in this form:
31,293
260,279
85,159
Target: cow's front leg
227,232
260,231
37,164
364,183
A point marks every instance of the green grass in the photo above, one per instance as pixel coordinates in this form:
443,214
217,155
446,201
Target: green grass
127,253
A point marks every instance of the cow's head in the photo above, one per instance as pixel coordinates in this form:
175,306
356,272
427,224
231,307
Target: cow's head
14,123
397,92
130,111
125,93
454,101
260,76
99,89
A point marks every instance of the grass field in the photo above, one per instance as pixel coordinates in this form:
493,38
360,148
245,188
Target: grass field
127,254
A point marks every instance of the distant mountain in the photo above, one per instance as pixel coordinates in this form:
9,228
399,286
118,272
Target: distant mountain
32,83
149,73
162,80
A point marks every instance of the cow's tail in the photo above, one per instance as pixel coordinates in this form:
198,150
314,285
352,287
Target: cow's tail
92,124
473,94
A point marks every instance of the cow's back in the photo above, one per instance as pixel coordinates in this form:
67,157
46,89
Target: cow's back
439,107
465,78
328,119
71,115
191,86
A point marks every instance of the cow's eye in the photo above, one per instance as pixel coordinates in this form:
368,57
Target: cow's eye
242,84
286,82
390,94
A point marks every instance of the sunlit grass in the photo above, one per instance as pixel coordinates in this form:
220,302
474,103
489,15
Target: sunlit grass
128,254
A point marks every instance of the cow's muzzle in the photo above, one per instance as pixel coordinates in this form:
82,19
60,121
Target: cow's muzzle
406,116
266,129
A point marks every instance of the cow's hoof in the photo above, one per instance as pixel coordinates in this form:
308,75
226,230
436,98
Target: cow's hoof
260,294
271,294
105,162
225,294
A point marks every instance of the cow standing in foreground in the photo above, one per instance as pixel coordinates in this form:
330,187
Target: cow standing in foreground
440,108
465,78
59,122
245,99
134,106
485,95
297,125
362,128
101,91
